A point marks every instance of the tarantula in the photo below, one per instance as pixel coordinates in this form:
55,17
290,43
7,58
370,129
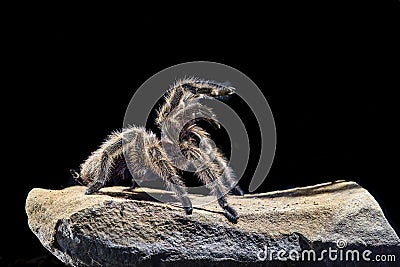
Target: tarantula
135,151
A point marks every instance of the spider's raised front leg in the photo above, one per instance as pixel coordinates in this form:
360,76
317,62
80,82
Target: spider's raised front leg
158,162
185,95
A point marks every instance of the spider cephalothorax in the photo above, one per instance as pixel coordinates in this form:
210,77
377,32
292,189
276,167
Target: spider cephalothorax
140,151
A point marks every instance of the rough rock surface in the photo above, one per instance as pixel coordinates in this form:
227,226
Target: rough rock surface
119,227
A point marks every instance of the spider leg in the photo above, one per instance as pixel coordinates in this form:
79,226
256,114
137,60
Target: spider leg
228,176
207,88
126,175
109,161
237,190
209,174
111,152
159,163
187,92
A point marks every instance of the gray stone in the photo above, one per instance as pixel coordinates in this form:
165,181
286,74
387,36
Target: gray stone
124,228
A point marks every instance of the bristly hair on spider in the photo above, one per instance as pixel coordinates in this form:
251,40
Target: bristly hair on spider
134,151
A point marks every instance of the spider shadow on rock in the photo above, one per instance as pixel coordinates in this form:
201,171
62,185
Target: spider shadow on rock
159,197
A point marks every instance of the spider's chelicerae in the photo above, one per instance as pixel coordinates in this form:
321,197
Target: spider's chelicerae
139,151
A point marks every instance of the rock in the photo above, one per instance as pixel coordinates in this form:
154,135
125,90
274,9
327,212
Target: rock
124,228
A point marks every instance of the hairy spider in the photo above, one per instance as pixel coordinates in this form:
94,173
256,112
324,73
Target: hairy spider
135,151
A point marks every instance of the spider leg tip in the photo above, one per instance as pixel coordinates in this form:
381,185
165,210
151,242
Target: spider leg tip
188,210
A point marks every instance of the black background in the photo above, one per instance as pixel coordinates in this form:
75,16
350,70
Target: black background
329,74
